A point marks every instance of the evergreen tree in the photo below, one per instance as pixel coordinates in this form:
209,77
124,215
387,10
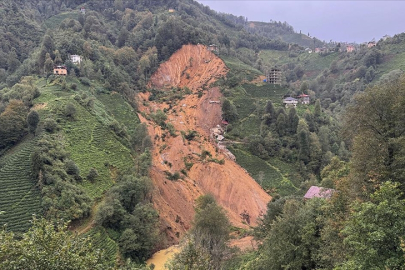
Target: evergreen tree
281,124
317,111
304,152
269,109
33,120
293,120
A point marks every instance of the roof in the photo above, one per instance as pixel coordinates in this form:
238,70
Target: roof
319,192
303,95
290,99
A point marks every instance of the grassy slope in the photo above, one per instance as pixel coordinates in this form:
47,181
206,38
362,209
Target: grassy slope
104,242
117,107
89,140
272,176
313,63
394,58
19,199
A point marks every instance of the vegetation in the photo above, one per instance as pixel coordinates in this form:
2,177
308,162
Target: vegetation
19,199
49,246
73,148
127,211
205,247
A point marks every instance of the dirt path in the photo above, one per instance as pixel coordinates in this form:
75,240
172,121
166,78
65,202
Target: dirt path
196,68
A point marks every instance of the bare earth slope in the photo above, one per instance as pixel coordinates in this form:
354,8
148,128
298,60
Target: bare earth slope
196,68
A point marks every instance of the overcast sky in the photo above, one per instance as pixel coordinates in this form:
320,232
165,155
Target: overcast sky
351,21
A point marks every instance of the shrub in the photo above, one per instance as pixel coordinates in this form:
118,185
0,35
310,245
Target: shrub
172,176
204,154
71,168
50,125
190,135
70,110
85,81
91,176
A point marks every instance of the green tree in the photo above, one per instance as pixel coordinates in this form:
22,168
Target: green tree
128,211
58,58
281,124
92,175
33,120
48,65
304,152
293,121
315,153
376,125
304,88
12,62
49,246
317,110
324,134
229,112
206,244
292,241
375,231
70,110
13,123
269,108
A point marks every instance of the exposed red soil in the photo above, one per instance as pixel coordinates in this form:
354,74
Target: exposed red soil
232,187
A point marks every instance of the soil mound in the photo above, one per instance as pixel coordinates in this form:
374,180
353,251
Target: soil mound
192,153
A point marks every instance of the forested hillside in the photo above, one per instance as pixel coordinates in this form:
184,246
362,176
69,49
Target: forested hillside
139,146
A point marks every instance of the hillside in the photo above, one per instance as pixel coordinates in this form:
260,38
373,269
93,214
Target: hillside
19,197
124,146
211,170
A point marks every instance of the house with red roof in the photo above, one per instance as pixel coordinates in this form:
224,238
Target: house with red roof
304,99
319,192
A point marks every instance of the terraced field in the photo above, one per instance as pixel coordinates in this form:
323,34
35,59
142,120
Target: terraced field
19,199
267,175
103,242
98,149
117,107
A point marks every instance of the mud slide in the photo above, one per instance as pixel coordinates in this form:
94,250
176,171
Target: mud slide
203,167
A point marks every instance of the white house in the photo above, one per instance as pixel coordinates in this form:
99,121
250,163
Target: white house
75,59
290,101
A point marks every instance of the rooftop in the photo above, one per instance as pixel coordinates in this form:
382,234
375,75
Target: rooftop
318,192
290,99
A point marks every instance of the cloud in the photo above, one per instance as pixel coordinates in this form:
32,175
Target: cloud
350,21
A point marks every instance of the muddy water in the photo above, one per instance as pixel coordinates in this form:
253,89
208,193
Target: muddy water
161,257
